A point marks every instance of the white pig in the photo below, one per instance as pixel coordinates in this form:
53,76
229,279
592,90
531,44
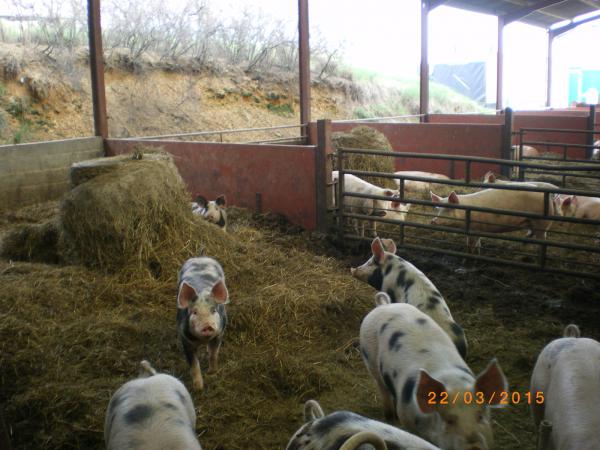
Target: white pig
528,151
403,282
490,178
425,383
511,200
579,207
154,412
415,185
567,374
390,209
344,430
596,152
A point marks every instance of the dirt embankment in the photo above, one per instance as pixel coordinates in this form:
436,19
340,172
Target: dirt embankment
43,99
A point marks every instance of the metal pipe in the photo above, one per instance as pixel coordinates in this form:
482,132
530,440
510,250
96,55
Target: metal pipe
304,61
424,70
97,69
221,132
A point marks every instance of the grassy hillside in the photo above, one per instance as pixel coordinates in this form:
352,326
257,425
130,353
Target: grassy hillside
44,97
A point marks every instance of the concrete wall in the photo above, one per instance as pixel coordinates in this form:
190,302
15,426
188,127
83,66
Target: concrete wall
32,173
283,175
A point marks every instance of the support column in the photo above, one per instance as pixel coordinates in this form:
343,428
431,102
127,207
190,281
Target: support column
549,71
424,77
304,62
500,63
97,69
323,173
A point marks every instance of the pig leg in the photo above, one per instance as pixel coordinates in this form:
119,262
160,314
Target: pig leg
213,354
474,245
196,374
192,359
389,408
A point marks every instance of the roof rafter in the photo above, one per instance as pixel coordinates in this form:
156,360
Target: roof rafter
523,11
570,26
436,3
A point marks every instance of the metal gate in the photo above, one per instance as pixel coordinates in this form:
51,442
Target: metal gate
572,245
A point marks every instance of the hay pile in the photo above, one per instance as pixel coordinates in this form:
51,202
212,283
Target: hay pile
32,242
73,334
126,212
366,138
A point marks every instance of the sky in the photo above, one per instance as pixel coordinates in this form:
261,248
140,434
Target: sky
383,36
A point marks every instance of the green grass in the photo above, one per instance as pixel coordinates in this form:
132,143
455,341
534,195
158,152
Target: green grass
283,109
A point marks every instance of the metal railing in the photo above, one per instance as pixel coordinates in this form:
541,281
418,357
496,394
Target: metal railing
564,146
222,133
572,247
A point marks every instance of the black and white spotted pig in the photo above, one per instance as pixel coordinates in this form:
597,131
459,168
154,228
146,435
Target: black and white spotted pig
201,315
416,365
404,283
567,373
346,430
153,412
213,211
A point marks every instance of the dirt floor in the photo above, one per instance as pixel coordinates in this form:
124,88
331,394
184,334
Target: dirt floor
70,336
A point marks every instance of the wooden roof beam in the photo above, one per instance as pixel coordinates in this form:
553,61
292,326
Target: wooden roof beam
521,12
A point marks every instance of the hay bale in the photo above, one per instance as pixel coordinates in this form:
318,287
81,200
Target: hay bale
86,170
129,214
32,242
367,138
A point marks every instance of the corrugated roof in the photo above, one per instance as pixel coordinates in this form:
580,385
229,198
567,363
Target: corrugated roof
544,17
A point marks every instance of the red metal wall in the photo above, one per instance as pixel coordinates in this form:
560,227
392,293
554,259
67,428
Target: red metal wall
571,122
284,175
452,139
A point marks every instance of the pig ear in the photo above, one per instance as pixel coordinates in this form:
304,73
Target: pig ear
221,201
492,382
219,292
388,193
574,199
435,198
382,298
377,249
429,391
186,295
453,198
566,201
201,200
396,202
389,245
490,177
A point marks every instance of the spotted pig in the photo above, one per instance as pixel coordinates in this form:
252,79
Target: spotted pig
404,283
415,366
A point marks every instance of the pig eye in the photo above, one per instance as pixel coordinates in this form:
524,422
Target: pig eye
450,421
480,416
213,309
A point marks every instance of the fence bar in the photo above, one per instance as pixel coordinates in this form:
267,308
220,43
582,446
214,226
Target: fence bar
209,133
340,192
489,259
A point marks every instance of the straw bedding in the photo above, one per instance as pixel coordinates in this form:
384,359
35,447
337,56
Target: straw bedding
71,334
